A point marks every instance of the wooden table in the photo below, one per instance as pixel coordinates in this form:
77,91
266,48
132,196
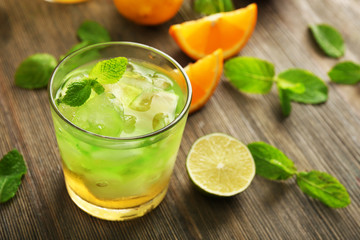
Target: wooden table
325,137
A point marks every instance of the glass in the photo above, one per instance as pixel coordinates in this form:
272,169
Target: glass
110,177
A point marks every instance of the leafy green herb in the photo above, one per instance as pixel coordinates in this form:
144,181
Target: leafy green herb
93,32
12,168
77,93
208,7
329,40
314,90
324,187
273,164
251,75
35,71
104,72
345,73
270,162
109,71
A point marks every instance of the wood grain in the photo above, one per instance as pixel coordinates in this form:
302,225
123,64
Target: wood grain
324,137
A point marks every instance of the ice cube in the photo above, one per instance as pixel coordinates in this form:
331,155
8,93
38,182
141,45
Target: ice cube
100,116
123,92
160,120
137,80
143,102
160,81
129,123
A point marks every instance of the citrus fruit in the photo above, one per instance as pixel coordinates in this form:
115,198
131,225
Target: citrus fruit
204,76
220,165
148,12
229,31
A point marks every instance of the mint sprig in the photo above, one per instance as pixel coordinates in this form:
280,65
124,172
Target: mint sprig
104,72
273,164
328,39
93,32
208,7
12,168
253,75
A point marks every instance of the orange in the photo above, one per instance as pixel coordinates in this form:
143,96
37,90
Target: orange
148,12
204,76
229,31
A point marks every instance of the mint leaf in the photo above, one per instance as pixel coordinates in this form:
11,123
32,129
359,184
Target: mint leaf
208,7
315,90
109,71
251,75
75,47
285,102
93,32
35,71
270,162
12,168
97,87
77,93
345,73
328,39
324,187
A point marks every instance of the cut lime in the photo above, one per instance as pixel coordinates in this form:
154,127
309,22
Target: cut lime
220,165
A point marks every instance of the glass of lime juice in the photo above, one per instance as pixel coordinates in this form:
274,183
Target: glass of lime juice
118,148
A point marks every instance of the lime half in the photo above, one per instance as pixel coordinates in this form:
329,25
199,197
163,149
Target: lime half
220,165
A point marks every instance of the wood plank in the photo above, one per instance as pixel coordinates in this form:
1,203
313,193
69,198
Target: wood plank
324,137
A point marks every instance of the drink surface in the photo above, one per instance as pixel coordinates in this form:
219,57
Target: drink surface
110,175
142,101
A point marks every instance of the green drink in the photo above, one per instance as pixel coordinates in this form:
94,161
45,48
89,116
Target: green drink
119,147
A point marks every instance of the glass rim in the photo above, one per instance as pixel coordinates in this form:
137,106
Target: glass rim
133,44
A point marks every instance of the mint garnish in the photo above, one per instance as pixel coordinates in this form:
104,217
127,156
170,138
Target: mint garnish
104,72
35,71
273,164
77,93
93,32
109,71
208,7
329,40
270,162
345,73
12,168
253,75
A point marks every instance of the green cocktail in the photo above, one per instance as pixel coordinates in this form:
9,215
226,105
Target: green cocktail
118,148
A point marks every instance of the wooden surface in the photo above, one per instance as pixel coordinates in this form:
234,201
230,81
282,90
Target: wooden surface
324,137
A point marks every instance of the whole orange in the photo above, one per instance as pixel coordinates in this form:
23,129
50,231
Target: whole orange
148,12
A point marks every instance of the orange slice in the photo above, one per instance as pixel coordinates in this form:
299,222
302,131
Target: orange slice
204,76
229,31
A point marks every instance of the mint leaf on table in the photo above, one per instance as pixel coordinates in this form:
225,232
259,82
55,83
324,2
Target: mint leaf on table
251,75
270,162
312,89
12,168
345,73
208,7
109,71
329,40
324,187
35,71
93,32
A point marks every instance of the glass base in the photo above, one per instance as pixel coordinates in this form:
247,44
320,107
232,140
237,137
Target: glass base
116,214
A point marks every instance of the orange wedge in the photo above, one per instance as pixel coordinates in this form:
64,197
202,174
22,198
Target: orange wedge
204,76
229,31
